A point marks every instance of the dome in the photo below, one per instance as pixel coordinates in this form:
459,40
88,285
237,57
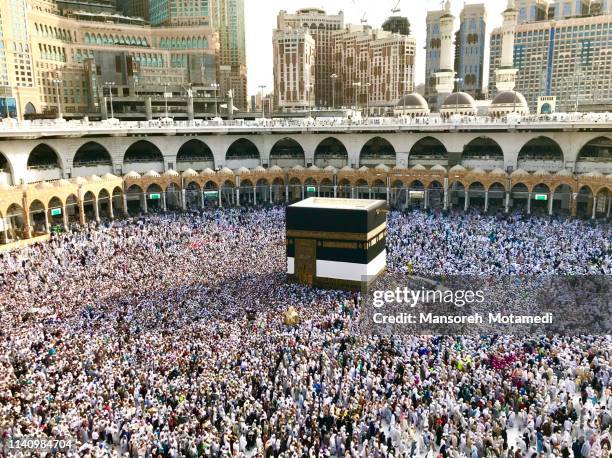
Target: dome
190,173
314,168
330,168
171,173
497,172
478,171
94,178
297,168
81,180
509,102
540,173
437,168
419,167
593,174
259,168
44,185
564,173
382,167
242,171
132,174
208,171
152,174
363,168
109,176
461,99
62,182
223,170
275,168
346,168
413,100
519,173
457,168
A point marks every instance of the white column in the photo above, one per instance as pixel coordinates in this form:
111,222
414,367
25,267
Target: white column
219,197
529,197
254,195
551,197
594,208
111,213
446,194
302,191
507,205
145,207
335,191
271,199
352,192
286,193
184,199
237,197
125,206
466,199
486,207
318,191
388,196
64,217
96,210
609,205
47,228
163,199
202,199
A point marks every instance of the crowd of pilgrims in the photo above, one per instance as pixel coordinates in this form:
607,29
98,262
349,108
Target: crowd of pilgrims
163,337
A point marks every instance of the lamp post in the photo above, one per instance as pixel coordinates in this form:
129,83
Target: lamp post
57,83
110,85
215,86
333,77
356,85
263,113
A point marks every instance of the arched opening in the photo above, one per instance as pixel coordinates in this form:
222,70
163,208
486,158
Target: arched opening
562,200
211,194
193,196
310,187
134,197
278,190
484,153
596,155
332,152
497,198
228,192
89,203
540,196
362,189
416,194
428,151
379,190
6,173
242,153
398,196
104,204
29,109
143,156
456,195
55,215
519,197
545,108
287,153
584,202
295,189
377,151
603,207
15,221
118,201
72,209
173,197
263,192
326,188
345,189
43,164
476,195
195,154
92,159
435,195
247,193
38,218
540,153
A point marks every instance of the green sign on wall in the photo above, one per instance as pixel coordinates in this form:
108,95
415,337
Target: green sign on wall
311,189
211,194
541,197
56,211
155,196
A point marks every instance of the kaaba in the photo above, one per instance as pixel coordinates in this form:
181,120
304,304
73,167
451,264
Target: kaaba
336,243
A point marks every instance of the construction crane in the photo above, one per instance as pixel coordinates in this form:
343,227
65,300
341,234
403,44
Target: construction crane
364,18
396,8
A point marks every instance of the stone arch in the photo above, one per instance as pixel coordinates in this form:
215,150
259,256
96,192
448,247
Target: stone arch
428,151
194,154
15,219
134,197
143,156
287,152
6,170
117,199
484,153
540,153
43,157
93,154
376,151
331,151
519,195
29,109
584,201
595,155
56,218
38,220
242,153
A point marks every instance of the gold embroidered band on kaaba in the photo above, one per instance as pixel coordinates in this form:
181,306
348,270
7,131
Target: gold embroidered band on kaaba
353,236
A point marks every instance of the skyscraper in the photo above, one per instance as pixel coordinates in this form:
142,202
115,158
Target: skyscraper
432,54
471,48
531,10
90,6
228,19
320,26
180,12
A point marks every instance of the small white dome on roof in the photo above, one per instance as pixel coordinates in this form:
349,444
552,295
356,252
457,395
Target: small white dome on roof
497,172
223,170
314,168
363,168
541,173
81,180
438,168
457,168
461,99
44,185
330,168
382,167
419,167
346,168
209,171
152,174
297,168
519,173
413,100
132,174
108,176
94,178
400,167
593,174
62,182
275,168
564,173
190,173
259,168
243,170
171,173
478,171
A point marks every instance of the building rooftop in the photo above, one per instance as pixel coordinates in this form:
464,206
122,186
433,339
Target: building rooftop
340,204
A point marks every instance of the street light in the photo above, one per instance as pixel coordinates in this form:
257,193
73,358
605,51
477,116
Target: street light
110,85
356,85
57,83
334,77
215,86
263,113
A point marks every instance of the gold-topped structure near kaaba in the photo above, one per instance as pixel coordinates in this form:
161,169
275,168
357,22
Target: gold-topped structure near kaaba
337,243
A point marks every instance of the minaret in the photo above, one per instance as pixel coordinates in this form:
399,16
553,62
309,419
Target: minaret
505,75
445,76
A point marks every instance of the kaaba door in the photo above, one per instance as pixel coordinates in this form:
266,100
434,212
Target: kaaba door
306,260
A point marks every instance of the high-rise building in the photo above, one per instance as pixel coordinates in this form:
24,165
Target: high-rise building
432,54
568,59
228,21
294,68
134,8
470,49
89,6
375,68
180,12
601,7
445,74
531,10
563,9
321,27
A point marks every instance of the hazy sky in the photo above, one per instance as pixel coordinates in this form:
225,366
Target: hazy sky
261,21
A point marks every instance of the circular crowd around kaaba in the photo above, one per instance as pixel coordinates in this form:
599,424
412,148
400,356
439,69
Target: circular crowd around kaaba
165,336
